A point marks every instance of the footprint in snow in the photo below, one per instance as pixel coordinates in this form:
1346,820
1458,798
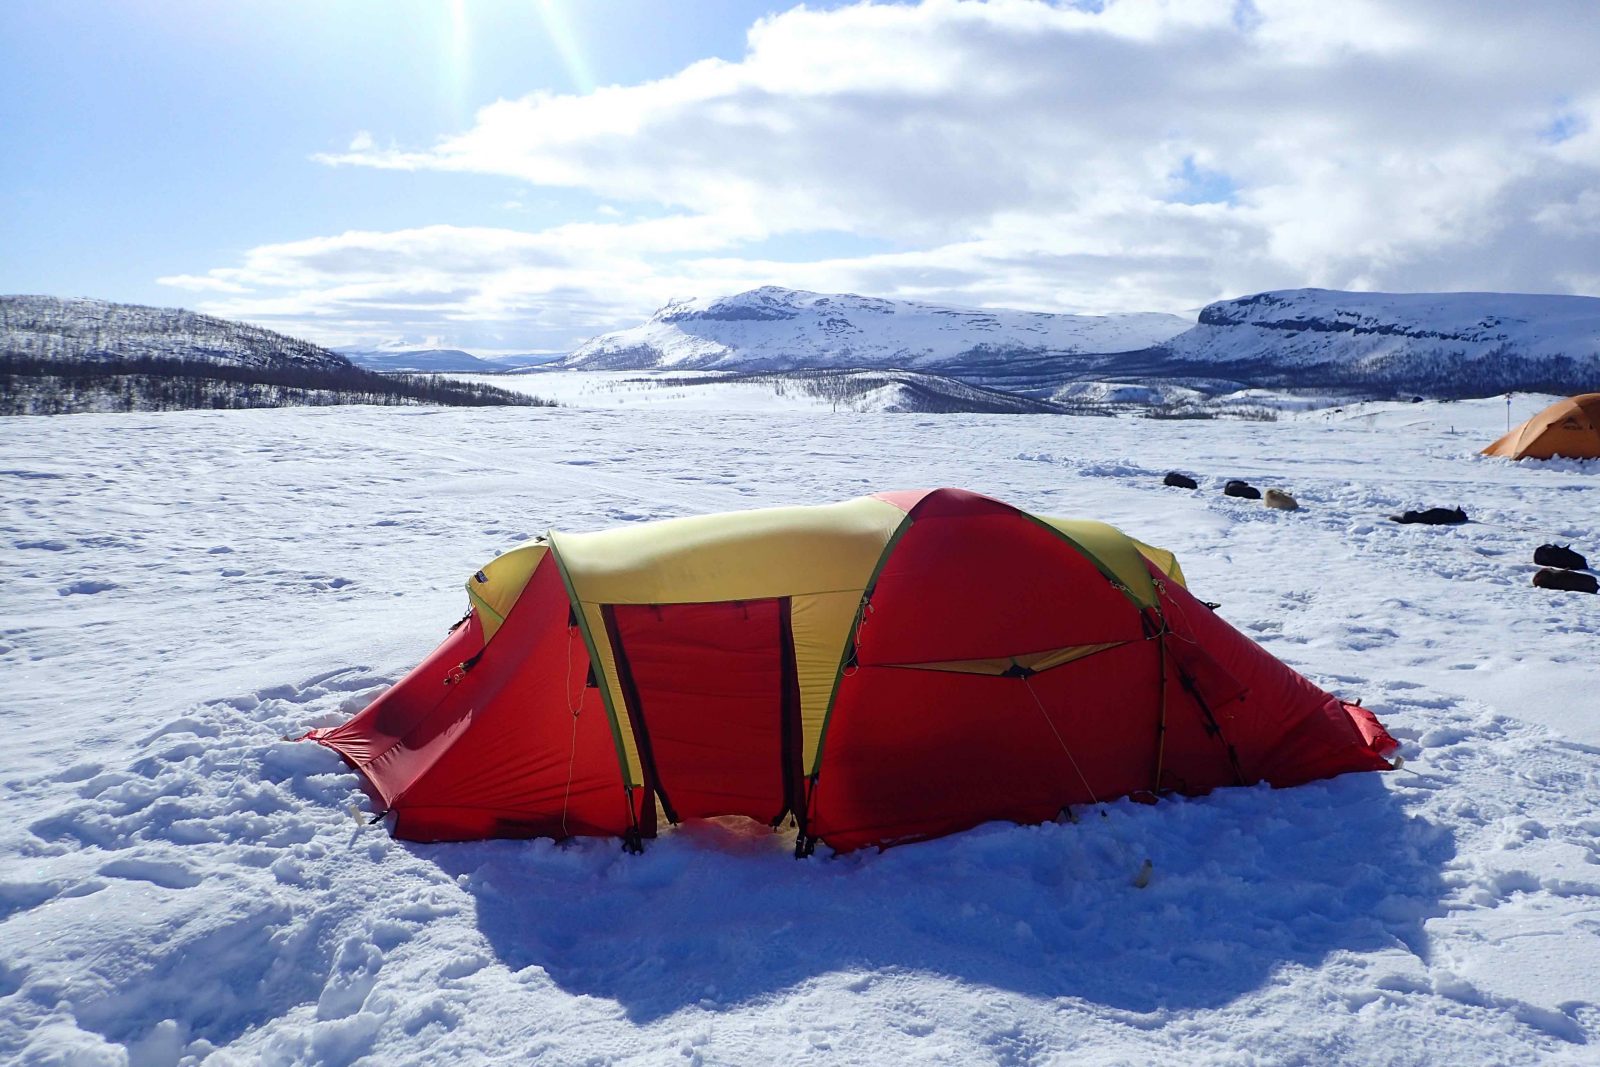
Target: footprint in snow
85,587
163,873
354,973
78,772
17,897
186,724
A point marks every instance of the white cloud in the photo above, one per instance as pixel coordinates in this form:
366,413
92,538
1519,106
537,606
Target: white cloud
1579,215
1019,153
199,283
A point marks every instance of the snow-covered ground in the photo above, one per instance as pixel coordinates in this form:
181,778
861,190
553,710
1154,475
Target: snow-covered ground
676,390
1487,418
177,883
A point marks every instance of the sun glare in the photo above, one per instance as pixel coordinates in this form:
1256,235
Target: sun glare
566,43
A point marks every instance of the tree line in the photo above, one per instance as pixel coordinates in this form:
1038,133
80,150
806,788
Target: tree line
33,385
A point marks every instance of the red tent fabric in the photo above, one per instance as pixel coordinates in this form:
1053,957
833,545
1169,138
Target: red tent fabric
517,746
989,665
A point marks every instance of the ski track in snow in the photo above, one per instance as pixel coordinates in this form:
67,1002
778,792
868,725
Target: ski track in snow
178,883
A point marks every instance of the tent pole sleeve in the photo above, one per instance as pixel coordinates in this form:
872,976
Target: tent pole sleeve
483,605
594,661
641,727
790,727
847,653
1213,727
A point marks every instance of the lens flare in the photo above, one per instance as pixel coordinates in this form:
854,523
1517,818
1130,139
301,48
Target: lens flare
566,43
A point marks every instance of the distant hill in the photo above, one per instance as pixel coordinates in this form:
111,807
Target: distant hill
772,329
522,361
396,358
48,327
423,360
1443,344
62,356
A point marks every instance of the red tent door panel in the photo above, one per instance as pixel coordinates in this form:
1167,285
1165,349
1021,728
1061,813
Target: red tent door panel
715,707
912,752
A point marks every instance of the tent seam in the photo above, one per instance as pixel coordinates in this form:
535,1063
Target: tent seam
594,664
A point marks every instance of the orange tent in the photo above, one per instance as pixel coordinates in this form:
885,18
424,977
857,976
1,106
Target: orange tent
1568,428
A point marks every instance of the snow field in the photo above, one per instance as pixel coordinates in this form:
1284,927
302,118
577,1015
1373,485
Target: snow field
667,390
178,883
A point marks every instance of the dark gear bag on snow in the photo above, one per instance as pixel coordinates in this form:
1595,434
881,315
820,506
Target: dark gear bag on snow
1571,581
1433,517
1559,556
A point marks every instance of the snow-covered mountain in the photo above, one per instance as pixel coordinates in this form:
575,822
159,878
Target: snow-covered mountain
772,328
401,358
1457,343
1451,344
79,330
522,361
60,357
425,360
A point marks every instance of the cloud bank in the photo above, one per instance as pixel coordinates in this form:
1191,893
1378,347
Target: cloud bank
1140,155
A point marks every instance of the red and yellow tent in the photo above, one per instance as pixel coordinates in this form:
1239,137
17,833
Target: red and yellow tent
887,669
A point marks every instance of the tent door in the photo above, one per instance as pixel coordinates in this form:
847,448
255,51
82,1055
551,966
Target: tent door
714,701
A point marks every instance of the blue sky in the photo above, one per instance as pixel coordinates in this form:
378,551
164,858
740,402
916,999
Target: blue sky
520,175
163,135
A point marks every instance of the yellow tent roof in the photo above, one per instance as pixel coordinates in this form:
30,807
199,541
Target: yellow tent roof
823,558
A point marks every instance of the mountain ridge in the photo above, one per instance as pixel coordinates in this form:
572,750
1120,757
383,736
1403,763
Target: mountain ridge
1451,344
69,355
772,328
85,329
435,360
1470,343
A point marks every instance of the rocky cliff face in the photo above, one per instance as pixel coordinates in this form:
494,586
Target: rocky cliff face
1451,343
